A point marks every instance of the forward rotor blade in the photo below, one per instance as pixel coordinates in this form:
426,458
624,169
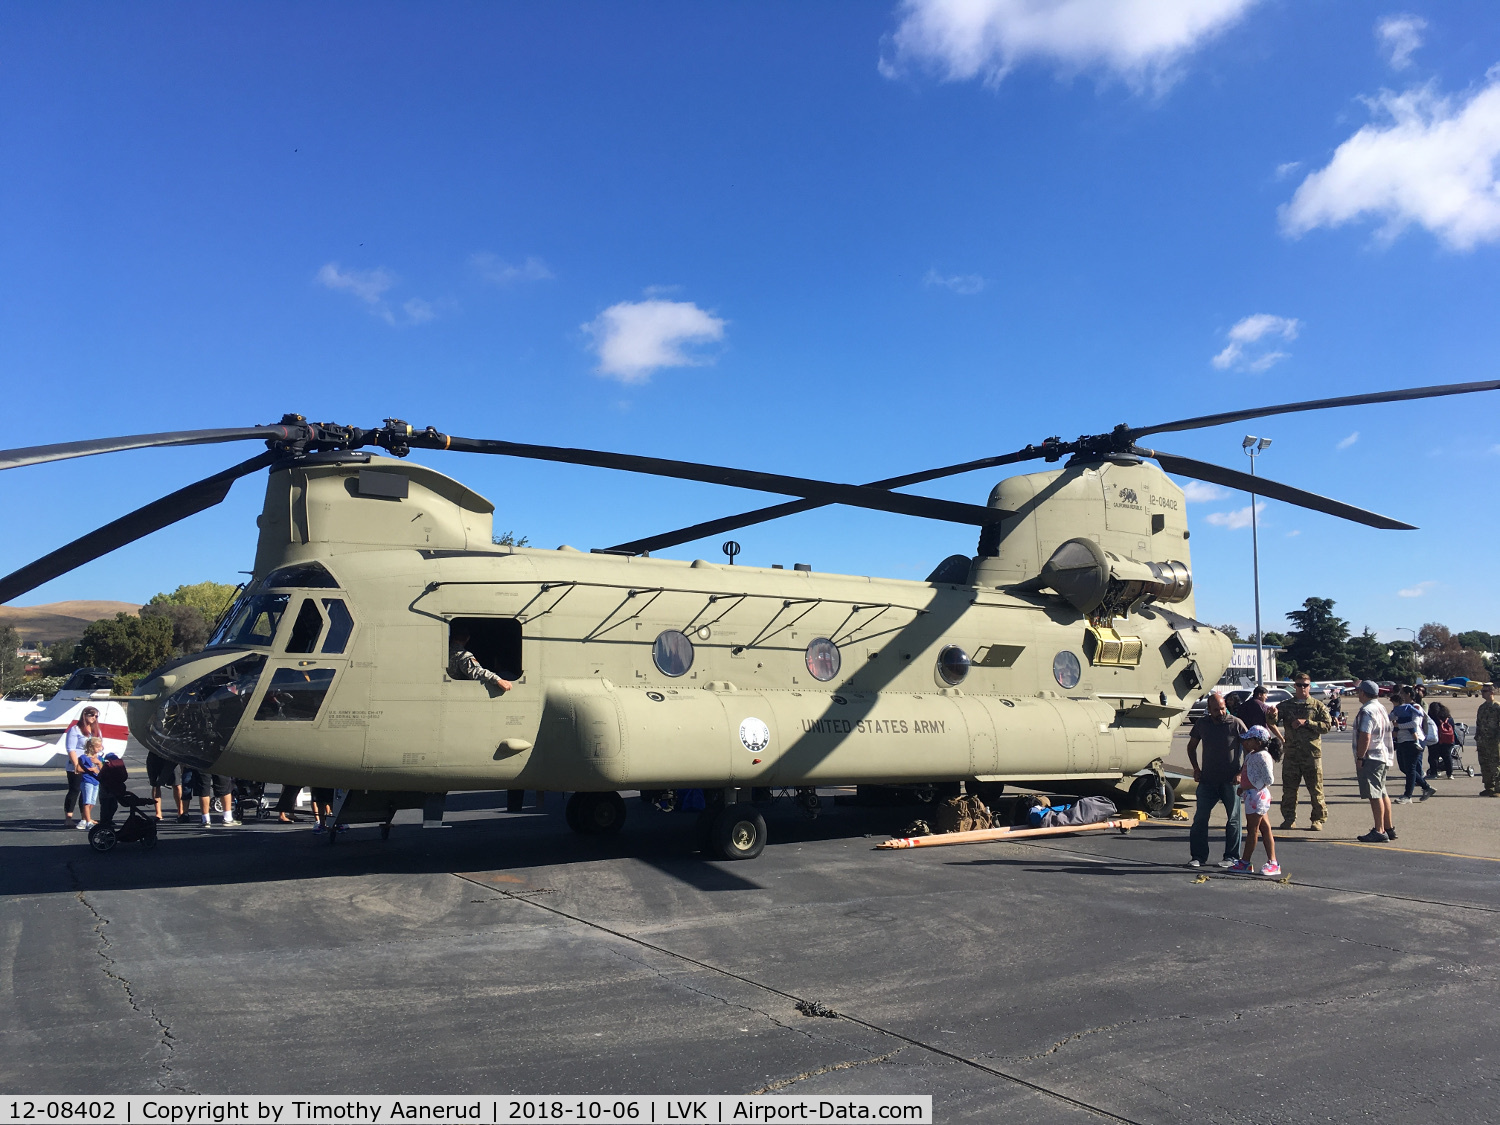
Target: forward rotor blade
62,451
791,508
127,529
1316,404
1260,486
824,492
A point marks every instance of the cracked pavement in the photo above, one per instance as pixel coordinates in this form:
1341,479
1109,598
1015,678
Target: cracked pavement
1065,980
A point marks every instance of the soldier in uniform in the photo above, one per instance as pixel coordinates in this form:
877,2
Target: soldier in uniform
1305,721
464,665
1487,741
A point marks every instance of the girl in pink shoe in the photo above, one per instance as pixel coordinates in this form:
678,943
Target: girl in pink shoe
1256,779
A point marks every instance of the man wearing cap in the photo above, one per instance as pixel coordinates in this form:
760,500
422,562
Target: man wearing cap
1372,756
1487,741
1219,733
1304,722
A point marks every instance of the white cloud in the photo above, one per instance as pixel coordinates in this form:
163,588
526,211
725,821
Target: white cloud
1197,491
1236,519
501,272
368,285
635,338
1294,534
1139,40
1245,349
370,288
1285,170
1400,36
418,311
1431,161
964,284
1348,441
1415,591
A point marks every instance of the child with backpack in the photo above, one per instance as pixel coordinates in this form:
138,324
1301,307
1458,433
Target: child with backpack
1256,778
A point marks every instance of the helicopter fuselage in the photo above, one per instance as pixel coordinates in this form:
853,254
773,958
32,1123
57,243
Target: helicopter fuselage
640,673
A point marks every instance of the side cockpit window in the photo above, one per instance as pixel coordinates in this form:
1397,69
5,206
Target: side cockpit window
340,625
495,642
306,629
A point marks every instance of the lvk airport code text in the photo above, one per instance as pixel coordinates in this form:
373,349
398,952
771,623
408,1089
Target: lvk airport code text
481,1110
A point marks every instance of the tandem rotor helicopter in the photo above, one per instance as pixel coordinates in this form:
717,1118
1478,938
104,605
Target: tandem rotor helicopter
1063,649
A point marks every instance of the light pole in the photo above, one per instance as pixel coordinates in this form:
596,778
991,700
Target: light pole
1253,447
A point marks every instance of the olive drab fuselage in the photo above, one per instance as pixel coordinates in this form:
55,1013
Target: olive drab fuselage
1038,689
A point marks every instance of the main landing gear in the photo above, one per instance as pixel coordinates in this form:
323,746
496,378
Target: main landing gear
726,829
735,831
595,814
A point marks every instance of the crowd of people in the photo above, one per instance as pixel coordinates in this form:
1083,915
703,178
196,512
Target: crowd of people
1241,748
91,785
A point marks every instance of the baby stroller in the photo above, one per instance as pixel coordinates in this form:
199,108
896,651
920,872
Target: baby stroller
1456,751
139,827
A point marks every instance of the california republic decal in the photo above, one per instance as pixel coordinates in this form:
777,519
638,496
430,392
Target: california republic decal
755,736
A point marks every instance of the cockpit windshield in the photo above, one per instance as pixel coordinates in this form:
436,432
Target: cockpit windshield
251,621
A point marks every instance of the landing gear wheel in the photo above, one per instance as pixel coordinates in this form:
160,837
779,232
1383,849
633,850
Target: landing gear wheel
1153,798
738,832
595,814
101,837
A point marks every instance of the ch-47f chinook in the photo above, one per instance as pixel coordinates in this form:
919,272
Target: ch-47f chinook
1064,648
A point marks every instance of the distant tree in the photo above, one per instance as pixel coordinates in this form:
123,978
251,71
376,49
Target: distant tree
1367,657
1443,655
508,539
209,598
61,657
12,666
1318,645
1474,639
190,626
1403,664
126,644
1432,637
1231,632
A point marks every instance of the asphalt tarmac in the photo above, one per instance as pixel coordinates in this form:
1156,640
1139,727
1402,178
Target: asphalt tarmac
1067,980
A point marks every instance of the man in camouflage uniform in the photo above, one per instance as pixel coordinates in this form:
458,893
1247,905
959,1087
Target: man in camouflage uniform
1487,742
464,665
1305,721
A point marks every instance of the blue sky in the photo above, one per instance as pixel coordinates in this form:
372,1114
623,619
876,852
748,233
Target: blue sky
837,240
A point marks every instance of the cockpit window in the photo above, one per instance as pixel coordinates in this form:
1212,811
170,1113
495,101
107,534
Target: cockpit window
251,621
340,625
306,575
306,628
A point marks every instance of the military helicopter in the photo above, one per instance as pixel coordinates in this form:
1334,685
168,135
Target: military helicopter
1063,649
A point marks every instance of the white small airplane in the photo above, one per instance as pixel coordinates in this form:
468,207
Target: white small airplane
32,730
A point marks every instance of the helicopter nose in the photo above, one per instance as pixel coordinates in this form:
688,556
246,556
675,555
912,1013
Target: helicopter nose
193,724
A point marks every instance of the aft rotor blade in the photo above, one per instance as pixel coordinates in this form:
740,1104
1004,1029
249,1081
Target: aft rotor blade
824,492
127,529
1317,404
792,507
62,451
1260,486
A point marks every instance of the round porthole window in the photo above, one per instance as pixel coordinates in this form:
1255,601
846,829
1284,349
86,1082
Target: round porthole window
953,664
673,653
1066,670
823,659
